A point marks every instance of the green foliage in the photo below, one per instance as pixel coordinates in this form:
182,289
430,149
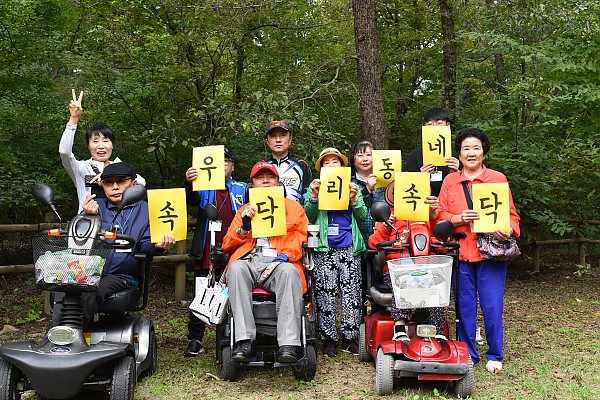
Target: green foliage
167,76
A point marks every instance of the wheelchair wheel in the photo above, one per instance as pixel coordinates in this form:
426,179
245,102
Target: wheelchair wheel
229,368
363,354
123,380
307,372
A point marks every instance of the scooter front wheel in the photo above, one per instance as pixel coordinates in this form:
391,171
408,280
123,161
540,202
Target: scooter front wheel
123,380
464,386
10,376
384,377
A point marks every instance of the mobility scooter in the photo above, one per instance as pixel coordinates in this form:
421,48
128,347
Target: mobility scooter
421,278
115,349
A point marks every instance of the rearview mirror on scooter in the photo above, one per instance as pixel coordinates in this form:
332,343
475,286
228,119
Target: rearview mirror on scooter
443,229
210,212
131,195
380,211
44,195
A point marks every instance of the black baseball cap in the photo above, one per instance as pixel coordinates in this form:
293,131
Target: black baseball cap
118,169
229,154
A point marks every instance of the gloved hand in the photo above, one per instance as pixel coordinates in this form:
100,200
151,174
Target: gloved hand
246,220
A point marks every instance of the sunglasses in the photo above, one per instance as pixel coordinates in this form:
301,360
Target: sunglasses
112,181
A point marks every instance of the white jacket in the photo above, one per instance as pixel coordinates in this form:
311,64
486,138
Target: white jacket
76,169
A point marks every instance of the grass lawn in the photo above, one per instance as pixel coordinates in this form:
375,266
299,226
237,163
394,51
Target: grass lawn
552,347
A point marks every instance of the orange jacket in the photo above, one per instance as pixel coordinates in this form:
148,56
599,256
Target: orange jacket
289,244
453,201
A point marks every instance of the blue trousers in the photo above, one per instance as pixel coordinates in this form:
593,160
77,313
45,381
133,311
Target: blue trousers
485,280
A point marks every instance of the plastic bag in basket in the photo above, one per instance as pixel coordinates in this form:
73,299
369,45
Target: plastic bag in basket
64,268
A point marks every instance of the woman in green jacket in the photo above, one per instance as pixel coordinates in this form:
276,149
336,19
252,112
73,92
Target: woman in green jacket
337,261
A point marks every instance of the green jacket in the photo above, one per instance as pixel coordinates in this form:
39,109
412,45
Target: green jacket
320,217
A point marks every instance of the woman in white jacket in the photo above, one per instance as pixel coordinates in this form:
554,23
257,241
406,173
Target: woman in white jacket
86,174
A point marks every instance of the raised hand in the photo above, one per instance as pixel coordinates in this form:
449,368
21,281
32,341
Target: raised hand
75,108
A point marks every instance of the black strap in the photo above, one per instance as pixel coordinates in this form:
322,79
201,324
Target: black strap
96,170
468,195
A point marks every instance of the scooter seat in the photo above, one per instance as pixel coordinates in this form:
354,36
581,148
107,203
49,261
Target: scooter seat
381,297
125,300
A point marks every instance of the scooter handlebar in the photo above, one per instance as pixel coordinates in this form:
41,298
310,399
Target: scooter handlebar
118,243
387,246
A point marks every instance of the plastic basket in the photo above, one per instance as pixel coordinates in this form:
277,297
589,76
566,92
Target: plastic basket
421,282
62,266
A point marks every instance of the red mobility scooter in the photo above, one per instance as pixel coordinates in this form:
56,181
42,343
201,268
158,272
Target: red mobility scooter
421,278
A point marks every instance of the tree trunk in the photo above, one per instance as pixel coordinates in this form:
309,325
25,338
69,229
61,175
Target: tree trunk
369,76
449,40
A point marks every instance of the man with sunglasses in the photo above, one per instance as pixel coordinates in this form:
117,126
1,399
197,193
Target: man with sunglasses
121,268
294,174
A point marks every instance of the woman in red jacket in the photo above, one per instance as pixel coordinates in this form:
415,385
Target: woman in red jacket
478,278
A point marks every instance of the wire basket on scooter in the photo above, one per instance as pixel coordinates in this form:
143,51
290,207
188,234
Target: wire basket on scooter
421,282
64,263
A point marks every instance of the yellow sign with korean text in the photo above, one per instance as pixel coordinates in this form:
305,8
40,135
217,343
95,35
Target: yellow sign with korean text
167,213
334,193
385,164
269,218
492,202
210,163
437,145
410,192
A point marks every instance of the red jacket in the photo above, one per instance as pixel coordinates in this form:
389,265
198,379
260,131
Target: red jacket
453,202
289,244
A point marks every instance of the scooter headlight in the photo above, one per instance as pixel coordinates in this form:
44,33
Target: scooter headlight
61,335
425,331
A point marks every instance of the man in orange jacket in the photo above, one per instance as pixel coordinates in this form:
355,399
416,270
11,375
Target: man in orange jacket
273,263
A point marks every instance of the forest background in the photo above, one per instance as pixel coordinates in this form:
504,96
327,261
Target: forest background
171,75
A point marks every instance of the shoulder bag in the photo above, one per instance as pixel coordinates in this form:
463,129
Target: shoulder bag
489,247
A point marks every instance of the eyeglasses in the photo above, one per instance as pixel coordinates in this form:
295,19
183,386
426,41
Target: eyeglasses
112,181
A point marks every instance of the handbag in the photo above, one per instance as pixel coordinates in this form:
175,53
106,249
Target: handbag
489,247
211,301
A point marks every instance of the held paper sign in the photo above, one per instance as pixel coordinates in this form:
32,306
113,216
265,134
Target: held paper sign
385,164
168,213
269,218
410,192
437,145
334,193
210,163
491,201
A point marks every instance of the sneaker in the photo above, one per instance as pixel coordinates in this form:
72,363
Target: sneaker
330,348
193,348
350,346
402,336
478,338
494,366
